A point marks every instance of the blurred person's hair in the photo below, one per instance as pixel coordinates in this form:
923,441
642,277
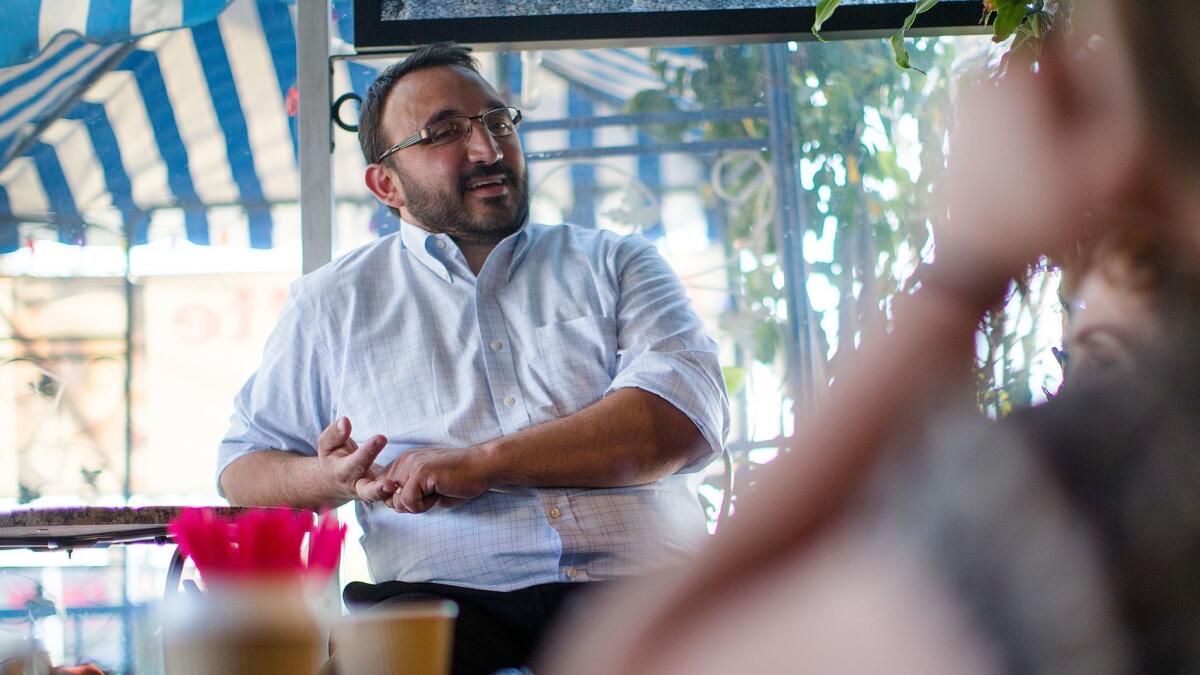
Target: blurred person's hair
1127,255
371,138
1166,53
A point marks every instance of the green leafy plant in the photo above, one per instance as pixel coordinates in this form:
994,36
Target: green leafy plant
870,142
867,184
1028,21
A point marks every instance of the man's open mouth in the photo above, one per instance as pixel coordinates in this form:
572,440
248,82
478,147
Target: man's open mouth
488,187
489,181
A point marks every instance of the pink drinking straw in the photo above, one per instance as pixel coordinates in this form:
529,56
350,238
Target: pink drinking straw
259,543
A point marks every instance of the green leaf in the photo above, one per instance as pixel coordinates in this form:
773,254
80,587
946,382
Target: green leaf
651,101
766,342
735,379
1008,19
897,40
825,9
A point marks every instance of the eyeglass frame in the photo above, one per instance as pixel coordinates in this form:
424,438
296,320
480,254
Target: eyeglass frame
424,135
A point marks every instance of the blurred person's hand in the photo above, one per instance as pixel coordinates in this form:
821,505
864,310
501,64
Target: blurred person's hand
352,467
1031,154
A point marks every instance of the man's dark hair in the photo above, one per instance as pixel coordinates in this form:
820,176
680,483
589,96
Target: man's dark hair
370,136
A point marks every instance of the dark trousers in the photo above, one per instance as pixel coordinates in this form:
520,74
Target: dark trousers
494,629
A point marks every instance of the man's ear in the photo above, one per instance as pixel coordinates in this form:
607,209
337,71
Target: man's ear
385,185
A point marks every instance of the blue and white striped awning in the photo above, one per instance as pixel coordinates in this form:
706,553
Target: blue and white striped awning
29,26
148,117
96,134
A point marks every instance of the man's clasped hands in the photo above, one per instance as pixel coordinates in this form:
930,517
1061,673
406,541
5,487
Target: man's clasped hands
416,481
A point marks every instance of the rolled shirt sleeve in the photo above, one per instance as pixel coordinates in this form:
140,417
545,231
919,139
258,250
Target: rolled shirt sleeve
662,348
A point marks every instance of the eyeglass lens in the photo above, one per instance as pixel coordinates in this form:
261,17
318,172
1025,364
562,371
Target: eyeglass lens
499,122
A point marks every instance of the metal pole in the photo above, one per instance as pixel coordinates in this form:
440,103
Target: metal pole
789,226
130,345
316,134
127,483
315,120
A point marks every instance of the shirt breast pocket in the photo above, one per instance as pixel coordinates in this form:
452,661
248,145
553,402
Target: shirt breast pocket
575,361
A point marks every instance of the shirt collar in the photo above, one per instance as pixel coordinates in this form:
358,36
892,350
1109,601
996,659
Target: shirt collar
426,246
522,241
421,244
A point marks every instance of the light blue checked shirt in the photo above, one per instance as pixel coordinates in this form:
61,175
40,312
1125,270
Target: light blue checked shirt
403,339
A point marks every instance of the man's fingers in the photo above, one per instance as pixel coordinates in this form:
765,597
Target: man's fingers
333,436
450,502
411,498
364,456
375,490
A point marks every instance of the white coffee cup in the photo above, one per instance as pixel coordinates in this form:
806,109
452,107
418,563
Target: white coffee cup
413,638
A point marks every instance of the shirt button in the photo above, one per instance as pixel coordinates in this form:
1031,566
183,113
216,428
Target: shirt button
497,345
510,401
555,513
572,572
441,243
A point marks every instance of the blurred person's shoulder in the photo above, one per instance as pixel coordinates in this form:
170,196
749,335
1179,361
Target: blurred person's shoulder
973,499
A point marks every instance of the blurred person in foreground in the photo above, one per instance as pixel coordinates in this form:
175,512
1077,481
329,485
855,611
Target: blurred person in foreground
516,409
1064,539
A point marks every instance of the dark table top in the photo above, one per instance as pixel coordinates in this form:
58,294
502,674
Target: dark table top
84,526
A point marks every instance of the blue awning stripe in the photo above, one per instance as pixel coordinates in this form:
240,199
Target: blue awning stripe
210,47
116,179
361,76
202,11
145,68
109,19
262,225
20,21
10,237
343,13
281,41
22,75
44,87
58,192
33,106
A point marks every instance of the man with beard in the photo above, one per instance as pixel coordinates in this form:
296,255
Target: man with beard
542,399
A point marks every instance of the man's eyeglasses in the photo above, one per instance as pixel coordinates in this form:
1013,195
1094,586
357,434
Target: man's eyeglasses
499,122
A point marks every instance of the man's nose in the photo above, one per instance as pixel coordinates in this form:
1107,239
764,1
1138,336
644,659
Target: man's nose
482,146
